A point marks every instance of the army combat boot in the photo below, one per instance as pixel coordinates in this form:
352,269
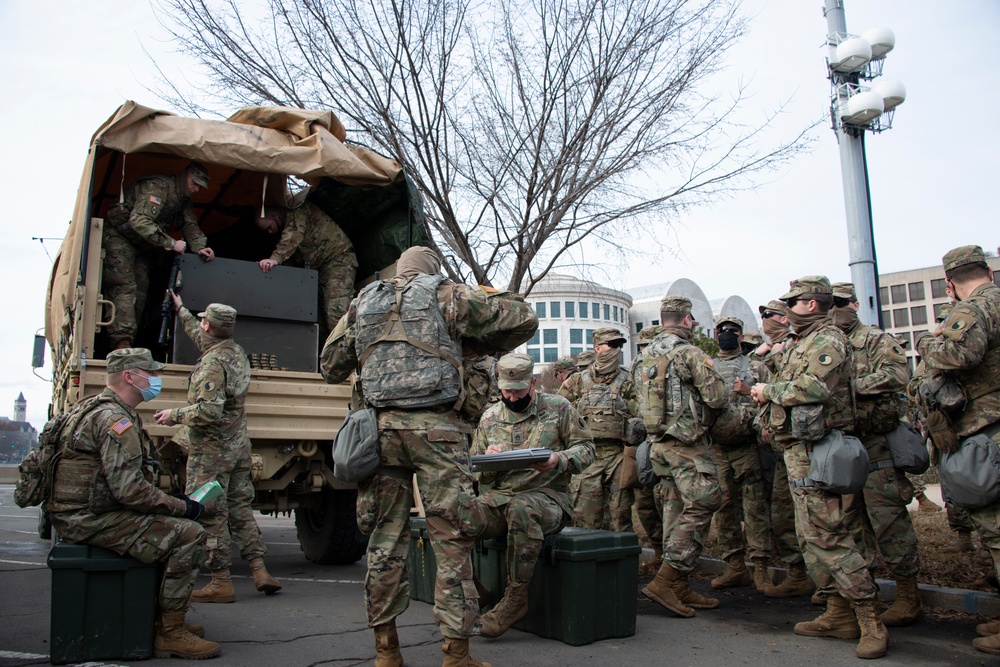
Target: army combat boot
456,654
220,589
962,543
735,574
660,590
906,608
511,609
387,646
173,640
262,579
926,504
761,577
796,584
988,629
691,597
874,636
837,621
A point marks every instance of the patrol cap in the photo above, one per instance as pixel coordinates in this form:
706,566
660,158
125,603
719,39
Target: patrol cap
131,358
774,306
753,338
608,335
943,312
585,359
514,371
967,254
564,364
647,334
675,304
198,174
807,285
729,320
844,291
220,316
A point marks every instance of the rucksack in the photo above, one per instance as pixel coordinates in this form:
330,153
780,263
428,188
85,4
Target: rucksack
356,450
34,483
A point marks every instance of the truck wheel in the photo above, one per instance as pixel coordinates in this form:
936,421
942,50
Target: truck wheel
329,535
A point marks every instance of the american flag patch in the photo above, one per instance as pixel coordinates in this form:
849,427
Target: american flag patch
709,361
154,199
122,425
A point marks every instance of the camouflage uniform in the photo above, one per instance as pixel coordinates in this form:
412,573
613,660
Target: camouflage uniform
433,443
105,494
325,246
135,233
649,500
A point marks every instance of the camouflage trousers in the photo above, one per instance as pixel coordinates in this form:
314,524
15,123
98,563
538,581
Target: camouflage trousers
649,511
125,283
439,458
336,287
887,521
599,501
987,519
958,518
228,518
694,473
668,499
524,520
783,517
742,519
831,554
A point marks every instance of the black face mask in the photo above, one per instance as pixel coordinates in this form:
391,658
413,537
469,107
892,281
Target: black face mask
728,340
520,405
747,348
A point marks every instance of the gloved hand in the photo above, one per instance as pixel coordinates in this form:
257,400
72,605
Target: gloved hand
941,433
193,509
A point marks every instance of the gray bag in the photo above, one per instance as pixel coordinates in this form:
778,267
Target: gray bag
970,476
838,463
644,466
356,452
907,450
635,431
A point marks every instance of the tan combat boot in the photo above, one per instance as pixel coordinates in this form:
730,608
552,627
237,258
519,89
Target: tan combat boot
220,589
387,646
173,640
456,654
989,645
874,636
926,504
511,609
761,577
262,579
735,575
796,584
962,543
988,629
691,597
818,599
906,608
837,621
660,590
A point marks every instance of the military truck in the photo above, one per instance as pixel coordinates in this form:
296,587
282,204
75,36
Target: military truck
251,159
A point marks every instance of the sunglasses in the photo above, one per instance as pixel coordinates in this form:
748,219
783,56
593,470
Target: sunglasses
735,330
770,314
791,302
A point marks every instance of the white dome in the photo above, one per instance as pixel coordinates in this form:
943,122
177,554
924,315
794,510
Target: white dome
852,54
862,108
882,40
893,92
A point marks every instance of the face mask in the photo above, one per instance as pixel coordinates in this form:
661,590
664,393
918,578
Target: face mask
729,340
520,405
153,390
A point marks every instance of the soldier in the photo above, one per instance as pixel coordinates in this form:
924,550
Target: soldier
679,393
525,505
104,494
563,369
812,390
881,374
741,479
135,234
605,396
214,431
323,245
584,360
967,346
410,376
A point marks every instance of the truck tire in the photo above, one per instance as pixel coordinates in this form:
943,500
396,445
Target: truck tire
330,535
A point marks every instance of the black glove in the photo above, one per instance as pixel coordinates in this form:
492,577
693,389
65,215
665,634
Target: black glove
194,509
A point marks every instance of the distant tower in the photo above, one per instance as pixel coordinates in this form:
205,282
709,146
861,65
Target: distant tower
20,409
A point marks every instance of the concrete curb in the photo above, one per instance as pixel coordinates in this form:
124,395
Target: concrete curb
939,597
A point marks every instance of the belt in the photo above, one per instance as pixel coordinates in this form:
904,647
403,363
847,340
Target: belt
799,483
879,465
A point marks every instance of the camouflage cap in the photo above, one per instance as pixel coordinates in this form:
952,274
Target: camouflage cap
753,338
967,254
943,312
514,371
647,334
807,285
675,304
132,357
220,316
585,359
774,306
198,174
729,320
564,364
844,291
608,335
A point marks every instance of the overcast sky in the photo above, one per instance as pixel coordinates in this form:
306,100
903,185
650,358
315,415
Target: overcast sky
67,67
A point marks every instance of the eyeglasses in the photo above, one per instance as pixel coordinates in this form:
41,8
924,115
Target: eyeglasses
770,314
730,329
791,302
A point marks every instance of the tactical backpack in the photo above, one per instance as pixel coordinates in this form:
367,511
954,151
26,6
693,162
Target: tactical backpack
34,483
602,405
662,410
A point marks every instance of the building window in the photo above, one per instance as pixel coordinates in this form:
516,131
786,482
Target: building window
916,291
638,327
550,336
583,309
551,354
938,288
540,310
614,310
571,309
607,312
886,318
555,309
901,317
576,336
918,314
883,294
918,333
590,337
536,338
898,293
573,351
535,355
595,310
656,323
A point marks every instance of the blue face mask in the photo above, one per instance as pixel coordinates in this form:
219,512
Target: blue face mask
153,390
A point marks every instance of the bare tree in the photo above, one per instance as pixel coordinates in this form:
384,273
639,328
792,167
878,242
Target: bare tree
530,126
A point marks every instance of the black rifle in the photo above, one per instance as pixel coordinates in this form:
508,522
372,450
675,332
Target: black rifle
167,307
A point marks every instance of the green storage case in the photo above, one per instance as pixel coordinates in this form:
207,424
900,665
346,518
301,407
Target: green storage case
103,605
421,563
584,586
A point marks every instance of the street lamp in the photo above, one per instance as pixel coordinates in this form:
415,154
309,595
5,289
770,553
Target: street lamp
857,106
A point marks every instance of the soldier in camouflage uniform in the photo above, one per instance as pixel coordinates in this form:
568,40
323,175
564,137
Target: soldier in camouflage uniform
563,368
605,396
214,431
741,479
410,376
678,396
135,236
525,505
811,395
967,346
881,374
323,245
584,360
104,494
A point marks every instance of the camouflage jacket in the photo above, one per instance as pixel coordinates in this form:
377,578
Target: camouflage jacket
215,416
550,422
316,236
589,394
881,373
108,467
969,347
152,206
485,323
816,370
